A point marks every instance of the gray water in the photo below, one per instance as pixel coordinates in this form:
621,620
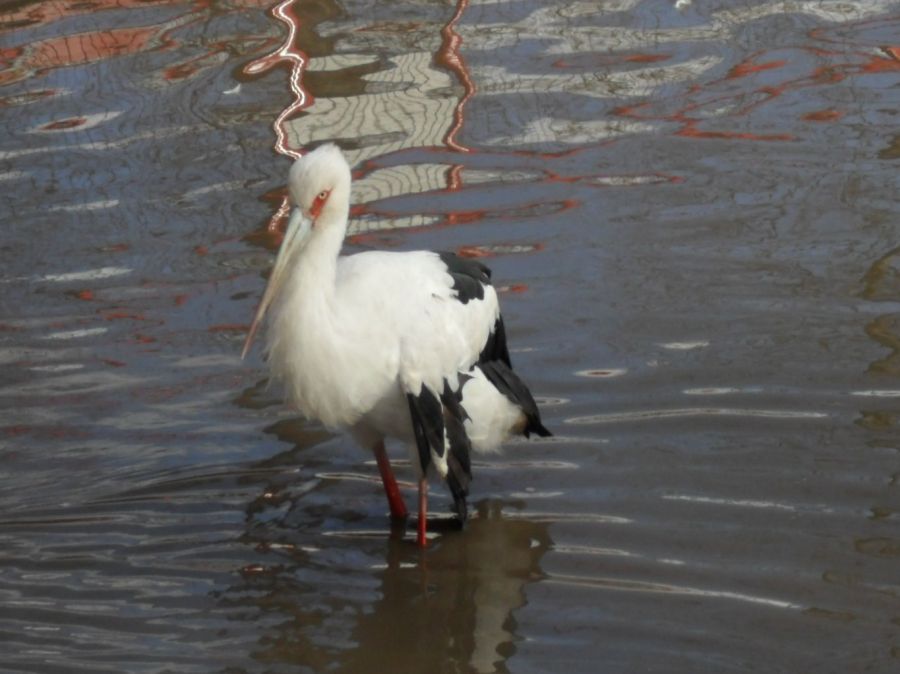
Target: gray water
693,217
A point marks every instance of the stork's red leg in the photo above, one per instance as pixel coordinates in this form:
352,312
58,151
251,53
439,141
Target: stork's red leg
421,538
395,499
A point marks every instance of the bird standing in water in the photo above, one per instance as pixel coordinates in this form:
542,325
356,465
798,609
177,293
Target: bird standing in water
389,345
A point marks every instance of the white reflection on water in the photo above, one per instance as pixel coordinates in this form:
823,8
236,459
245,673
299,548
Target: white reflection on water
75,334
86,206
86,275
685,346
745,503
650,415
622,585
877,393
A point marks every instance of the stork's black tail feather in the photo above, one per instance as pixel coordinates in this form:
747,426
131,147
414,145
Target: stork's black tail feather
508,383
459,462
428,425
438,420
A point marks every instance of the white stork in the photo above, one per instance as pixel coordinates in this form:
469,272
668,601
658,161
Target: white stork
389,345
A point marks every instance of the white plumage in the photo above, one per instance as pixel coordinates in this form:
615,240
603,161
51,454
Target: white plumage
403,345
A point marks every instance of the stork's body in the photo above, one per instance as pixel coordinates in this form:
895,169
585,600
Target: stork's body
389,345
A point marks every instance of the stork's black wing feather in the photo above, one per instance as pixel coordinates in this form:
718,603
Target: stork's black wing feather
426,413
469,276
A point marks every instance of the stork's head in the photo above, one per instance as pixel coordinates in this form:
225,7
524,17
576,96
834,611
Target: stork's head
319,186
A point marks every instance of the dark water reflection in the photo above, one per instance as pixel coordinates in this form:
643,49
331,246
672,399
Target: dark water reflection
367,599
692,213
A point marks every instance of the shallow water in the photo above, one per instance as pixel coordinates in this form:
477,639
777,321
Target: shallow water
693,216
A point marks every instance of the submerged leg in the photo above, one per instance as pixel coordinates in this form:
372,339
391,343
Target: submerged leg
421,538
395,499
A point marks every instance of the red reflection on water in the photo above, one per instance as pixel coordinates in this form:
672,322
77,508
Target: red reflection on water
691,131
687,115
449,56
647,58
31,13
62,124
464,217
474,252
454,178
493,250
703,106
181,71
68,50
605,61
823,116
747,68
84,295
25,61
877,64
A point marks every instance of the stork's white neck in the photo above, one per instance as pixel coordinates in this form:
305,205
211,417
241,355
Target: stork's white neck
302,337
315,267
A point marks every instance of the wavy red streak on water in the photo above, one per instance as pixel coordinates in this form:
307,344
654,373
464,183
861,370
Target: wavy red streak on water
297,60
449,56
647,58
748,68
64,124
291,55
279,217
48,12
68,50
878,64
454,178
820,76
823,116
690,131
37,58
821,33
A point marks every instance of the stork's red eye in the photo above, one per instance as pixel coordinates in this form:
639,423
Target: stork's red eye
318,202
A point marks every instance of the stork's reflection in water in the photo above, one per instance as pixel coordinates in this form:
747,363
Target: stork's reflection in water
452,610
355,601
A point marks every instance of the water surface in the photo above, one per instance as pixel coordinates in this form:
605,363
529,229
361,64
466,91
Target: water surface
692,215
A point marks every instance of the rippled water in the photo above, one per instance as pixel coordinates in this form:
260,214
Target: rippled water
693,212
